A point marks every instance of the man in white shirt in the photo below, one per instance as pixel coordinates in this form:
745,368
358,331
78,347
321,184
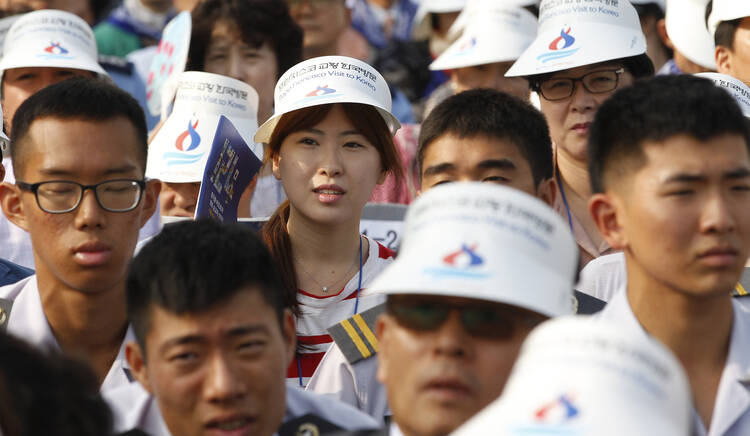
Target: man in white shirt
670,167
79,156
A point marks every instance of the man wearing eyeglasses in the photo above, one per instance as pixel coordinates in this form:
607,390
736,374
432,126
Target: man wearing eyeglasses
480,265
79,156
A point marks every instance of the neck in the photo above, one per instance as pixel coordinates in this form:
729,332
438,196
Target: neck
310,52
574,174
322,244
90,325
697,330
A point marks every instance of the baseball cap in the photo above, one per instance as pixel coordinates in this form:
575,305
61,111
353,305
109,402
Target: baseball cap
686,26
727,10
585,377
486,242
736,87
50,38
574,35
328,80
179,152
499,34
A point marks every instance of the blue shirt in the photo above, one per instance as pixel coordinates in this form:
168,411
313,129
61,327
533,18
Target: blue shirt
11,273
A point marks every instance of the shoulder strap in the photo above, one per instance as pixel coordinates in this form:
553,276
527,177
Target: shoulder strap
356,335
307,425
5,306
585,304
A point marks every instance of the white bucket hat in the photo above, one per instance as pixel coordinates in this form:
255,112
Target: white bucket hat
574,35
327,80
499,34
583,377
486,242
659,3
686,26
422,26
179,152
475,7
50,38
737,88
727,10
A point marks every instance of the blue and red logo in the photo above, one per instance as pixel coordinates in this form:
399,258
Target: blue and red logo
465,262
186,141
559,411
466,47
55,50
320,92
559,47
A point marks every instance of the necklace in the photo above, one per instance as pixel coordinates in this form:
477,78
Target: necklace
323,287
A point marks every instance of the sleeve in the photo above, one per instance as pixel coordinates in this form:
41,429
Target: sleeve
335,377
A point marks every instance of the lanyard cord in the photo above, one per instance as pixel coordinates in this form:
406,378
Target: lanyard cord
565,200
356,306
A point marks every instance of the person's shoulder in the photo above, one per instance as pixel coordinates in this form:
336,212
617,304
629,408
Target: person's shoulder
11,291
301,404
355,336
379,432
11,272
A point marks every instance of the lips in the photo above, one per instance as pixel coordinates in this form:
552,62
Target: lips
723,256
92,254
582,128
329,193
235,425
448,389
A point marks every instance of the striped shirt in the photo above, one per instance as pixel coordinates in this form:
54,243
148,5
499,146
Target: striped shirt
320,313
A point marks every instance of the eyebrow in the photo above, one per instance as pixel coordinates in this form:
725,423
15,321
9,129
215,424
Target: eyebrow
438,169
500,164
344,133
738,173
63,172
232,333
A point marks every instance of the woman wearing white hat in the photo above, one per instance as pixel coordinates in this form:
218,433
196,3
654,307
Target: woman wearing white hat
329,142
580,56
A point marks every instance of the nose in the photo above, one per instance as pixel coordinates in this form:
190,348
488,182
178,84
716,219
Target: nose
89,213
221,384
187,197
582,101
717,216
236,68
451,338
330,163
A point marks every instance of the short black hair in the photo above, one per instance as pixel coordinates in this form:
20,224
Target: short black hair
192,266
256,21
725,30
45,394
83,98
495,114
656,110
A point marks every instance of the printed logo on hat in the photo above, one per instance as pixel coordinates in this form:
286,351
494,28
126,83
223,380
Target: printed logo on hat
559,411
467,46
558,46
55,50
173,158
460,263
321,92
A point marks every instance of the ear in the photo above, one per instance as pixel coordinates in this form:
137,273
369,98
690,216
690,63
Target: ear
604,211
150,200
13,208
547,191
289,334
661,27
382,177
137,360
275,166
381,331
724,60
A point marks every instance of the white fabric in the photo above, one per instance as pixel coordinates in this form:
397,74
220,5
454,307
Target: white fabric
686,27
731,414
320,313
395,430
727,10
604,276
735,87
28,322
356,385
133,407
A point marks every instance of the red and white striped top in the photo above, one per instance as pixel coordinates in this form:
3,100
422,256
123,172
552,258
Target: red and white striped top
320,313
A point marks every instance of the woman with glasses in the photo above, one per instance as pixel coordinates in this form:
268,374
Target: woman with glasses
579,58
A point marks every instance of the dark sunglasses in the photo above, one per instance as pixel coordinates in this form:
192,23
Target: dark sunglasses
486,320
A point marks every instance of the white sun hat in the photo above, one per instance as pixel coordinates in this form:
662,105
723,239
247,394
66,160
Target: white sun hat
422,28
574,35
686,27
50,38
499,34
487,242
660,3
727,10
179,152
584,377
327,80
475,7
736,87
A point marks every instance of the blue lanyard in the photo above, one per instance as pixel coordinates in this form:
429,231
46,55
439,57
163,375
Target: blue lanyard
565,200
356,306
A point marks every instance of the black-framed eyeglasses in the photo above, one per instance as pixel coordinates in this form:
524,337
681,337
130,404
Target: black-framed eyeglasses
483,320
595,82
62,196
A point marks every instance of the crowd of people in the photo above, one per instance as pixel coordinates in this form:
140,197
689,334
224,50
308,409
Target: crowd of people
567,183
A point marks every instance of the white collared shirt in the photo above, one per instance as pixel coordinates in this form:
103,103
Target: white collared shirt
28,322
731,414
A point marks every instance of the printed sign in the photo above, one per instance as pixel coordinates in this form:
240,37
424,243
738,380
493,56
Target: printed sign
230,167
170,60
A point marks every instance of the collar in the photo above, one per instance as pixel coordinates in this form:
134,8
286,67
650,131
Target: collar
395,430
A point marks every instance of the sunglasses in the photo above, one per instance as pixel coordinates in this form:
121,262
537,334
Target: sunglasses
485,320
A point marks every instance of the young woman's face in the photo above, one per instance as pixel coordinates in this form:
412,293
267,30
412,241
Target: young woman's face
329,170
228,55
